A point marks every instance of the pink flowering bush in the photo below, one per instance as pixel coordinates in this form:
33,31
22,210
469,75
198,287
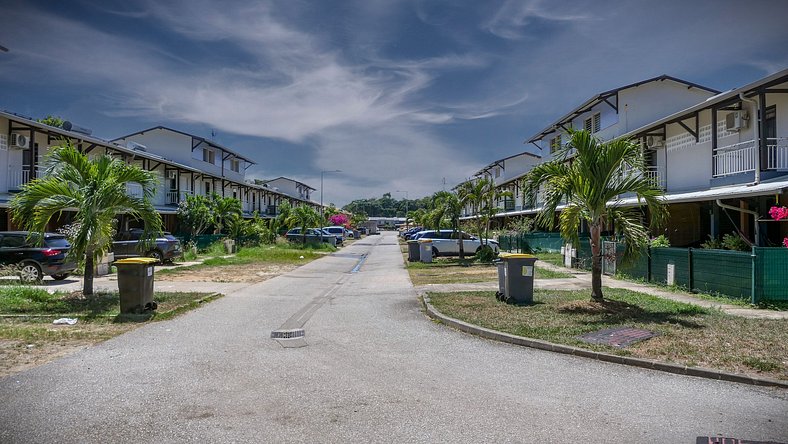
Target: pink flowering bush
339,219
779,213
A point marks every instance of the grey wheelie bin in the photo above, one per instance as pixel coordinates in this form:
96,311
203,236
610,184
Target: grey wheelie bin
425,250
501,278
413,251
135,284
518,277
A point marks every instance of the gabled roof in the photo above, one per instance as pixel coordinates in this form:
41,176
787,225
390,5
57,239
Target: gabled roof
748,90
603,96
291,180
500,161
202,139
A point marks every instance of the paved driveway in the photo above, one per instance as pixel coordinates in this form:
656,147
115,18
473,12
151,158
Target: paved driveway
372,368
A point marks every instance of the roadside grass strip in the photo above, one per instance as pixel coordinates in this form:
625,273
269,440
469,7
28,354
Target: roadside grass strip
266,254
26,314
452,271
688,335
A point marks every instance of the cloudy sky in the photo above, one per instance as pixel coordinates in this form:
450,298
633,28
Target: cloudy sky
398,94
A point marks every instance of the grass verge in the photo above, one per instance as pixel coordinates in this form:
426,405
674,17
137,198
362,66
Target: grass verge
452,271
28,337
688,335
267,254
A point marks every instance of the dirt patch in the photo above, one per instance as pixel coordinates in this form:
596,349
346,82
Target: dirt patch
249,273
18,355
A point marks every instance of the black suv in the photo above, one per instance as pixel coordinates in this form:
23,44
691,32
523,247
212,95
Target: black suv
127,244
36,260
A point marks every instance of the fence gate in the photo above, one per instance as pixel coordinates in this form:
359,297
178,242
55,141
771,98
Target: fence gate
609,258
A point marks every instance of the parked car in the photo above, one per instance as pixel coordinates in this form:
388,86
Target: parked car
445,242
337,231
127,244
410,232
312,234
35,259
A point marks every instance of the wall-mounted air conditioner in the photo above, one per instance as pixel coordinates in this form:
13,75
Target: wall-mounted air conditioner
132,145
172,174
20,141
655,142
736,120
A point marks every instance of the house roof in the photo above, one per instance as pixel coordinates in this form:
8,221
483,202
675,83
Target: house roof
603,96
499,161
291,180
749,90
202,139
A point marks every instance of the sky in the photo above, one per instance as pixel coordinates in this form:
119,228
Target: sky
400,95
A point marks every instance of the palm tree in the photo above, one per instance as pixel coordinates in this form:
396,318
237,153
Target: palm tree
224,208
450,205
303,216
482,194
97,190
590,176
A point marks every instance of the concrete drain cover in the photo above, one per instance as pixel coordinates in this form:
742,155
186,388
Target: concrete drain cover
721,440
617,337
288,334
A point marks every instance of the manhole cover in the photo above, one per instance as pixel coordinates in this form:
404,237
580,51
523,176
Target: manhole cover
617,337
288,334
721,440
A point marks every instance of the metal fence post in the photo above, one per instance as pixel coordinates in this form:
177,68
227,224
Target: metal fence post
648,254
690,278
754,256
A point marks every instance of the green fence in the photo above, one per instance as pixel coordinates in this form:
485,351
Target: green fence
728,273
202,241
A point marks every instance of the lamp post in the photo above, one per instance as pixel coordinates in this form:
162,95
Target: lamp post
406,208
321,187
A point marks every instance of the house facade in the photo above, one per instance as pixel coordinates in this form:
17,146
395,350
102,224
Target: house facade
291,187
183,163
721,158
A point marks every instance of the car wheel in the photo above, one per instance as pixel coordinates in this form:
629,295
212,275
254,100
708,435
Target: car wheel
435,253
156,254
61,276
30,272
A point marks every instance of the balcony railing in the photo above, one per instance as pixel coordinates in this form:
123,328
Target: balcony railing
734,159
777,149
654,174
176,197
17,177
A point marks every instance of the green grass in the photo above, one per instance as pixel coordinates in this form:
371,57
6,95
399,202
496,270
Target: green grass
279,253
33,301
688,334
551,258
450,270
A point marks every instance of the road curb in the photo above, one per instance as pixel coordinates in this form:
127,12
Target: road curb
495,335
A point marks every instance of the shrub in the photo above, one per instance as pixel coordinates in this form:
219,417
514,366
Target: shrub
660,241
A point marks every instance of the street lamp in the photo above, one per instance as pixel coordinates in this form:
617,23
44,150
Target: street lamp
406,207
321,188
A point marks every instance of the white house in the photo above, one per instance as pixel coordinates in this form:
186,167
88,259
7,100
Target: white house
291,187
176,158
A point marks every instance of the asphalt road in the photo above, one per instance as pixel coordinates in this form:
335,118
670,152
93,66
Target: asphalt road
371,368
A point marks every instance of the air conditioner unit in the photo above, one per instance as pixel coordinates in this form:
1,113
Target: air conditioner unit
136,146
736,120
655,141
172,174
20,141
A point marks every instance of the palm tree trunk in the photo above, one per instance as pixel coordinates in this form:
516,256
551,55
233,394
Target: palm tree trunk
462,243
596,263
87,282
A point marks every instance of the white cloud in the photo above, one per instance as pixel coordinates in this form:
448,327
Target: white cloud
511,20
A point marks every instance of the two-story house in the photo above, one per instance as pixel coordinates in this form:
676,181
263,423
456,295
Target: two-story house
723,163
184,164
506,174
291,187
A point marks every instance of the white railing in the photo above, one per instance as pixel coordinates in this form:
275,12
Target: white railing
734,159
654,174
777,149
174,197
16,178
134,190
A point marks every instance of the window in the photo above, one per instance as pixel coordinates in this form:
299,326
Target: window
209,155
235,165
207,188
593,124
555,144
497,172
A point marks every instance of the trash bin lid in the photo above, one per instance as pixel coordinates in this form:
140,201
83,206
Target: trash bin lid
413,241
516,256
424,241
137,260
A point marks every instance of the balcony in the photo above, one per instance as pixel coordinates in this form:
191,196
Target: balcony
270,210
656,176
174,197
734,159
777,153
134,190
